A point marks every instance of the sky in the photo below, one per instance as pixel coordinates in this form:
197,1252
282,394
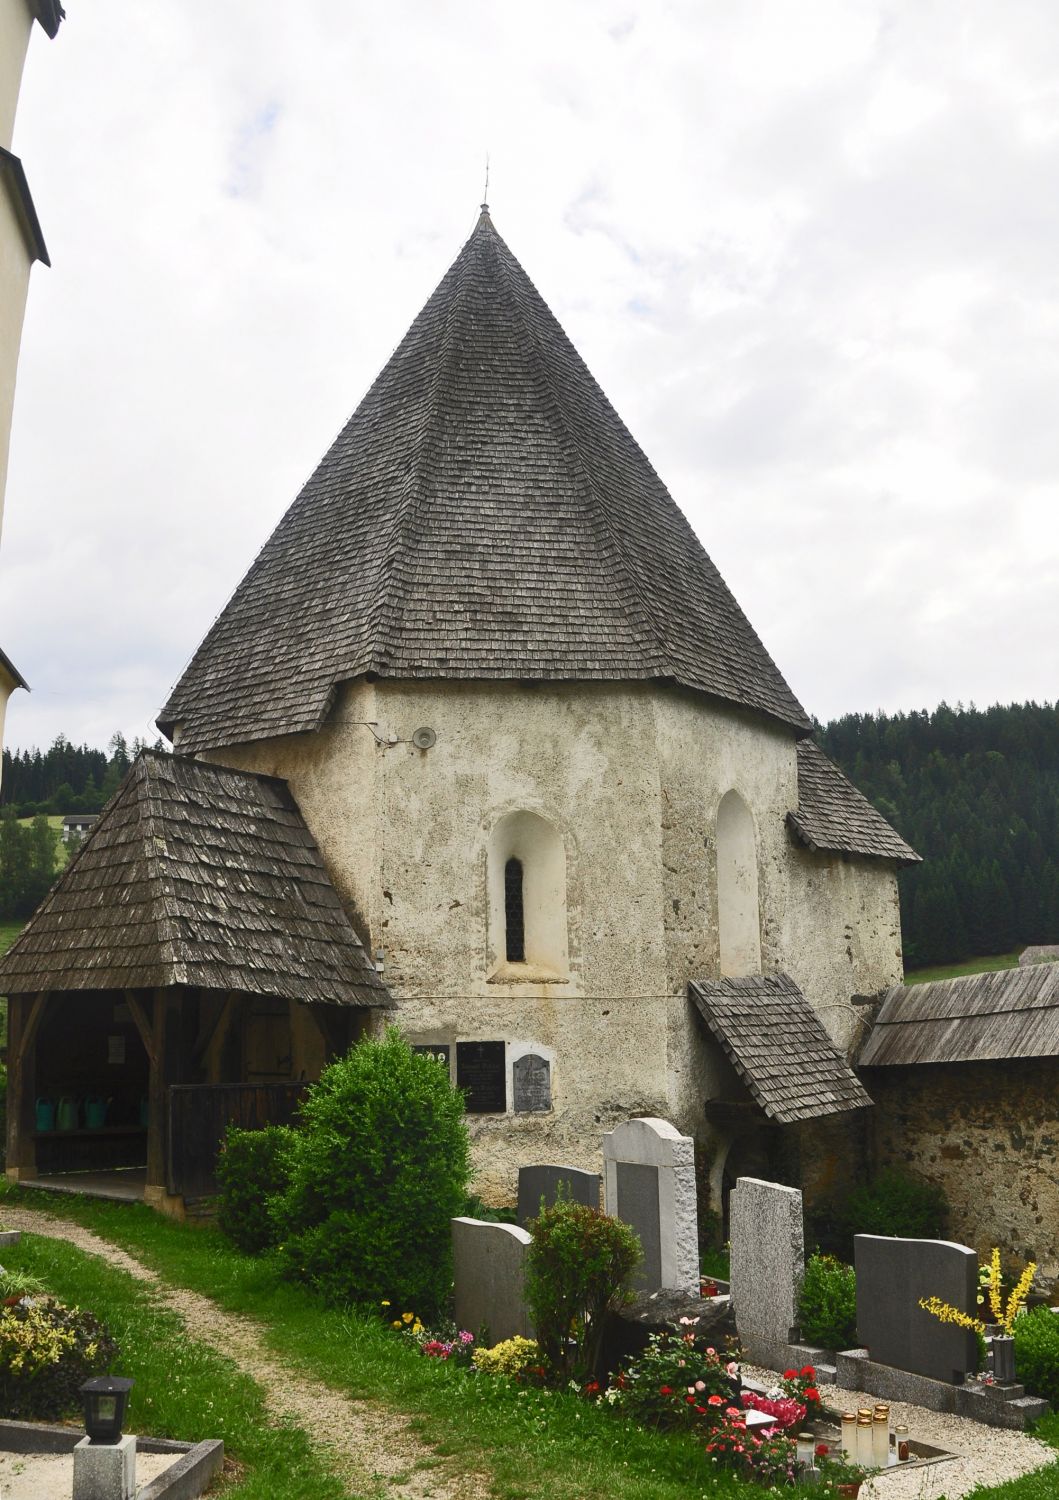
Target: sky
811,253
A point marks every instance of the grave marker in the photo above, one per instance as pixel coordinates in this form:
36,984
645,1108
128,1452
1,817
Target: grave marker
489,1276
892,1276
768,1264
649,1182
531,1084
535,1183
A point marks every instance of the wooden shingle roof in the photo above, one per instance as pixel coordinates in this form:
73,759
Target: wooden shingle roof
832,815
485,513
195,875
1009,1014
778,1046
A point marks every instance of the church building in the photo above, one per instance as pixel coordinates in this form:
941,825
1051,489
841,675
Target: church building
579,841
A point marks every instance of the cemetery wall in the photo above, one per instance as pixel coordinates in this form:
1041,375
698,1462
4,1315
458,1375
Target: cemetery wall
630,776
988,1133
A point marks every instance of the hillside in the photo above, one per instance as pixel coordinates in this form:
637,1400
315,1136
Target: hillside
976,792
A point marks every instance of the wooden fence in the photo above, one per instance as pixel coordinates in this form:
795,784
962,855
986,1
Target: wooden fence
199,1115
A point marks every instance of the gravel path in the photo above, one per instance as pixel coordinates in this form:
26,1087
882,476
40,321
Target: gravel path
369,1447
984,1455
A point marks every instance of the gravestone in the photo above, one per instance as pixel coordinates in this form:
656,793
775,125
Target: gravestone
535,1183
480,1072
892,1276
531,1084
649,1182
489,1276
768,1264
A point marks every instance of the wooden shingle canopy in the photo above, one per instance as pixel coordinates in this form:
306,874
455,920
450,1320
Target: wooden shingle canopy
778,1046
833,816
485,513
195,875
1013,1013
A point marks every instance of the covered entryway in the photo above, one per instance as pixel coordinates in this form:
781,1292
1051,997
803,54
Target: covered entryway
193,966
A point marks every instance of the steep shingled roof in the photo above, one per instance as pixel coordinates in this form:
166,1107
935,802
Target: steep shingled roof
832,815
484,514
201,876
777,1044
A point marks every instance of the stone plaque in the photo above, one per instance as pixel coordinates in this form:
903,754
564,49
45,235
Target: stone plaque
768,1264
441,1052
535,1183
531,1084
892,1276
480,1074
638,1206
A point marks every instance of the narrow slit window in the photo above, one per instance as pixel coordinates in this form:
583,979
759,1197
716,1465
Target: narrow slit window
514,920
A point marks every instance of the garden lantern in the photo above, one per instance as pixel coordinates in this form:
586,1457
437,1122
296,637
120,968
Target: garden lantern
105,1398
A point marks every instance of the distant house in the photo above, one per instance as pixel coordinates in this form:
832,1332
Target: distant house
76,825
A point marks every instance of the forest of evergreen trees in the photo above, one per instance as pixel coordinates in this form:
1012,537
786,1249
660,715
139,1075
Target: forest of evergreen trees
976,793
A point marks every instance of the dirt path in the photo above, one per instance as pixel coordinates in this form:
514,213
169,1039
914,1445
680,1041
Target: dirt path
369,1447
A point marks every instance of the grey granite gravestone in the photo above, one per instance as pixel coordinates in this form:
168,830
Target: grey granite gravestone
535,1183
531,1084
649,1182
768,1264
892,1276
489,1276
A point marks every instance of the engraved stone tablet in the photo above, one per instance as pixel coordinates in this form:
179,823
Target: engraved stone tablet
480,1073
531,1084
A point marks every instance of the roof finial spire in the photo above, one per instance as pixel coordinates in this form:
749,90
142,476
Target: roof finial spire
485,190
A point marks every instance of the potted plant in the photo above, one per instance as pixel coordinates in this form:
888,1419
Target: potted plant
840,1477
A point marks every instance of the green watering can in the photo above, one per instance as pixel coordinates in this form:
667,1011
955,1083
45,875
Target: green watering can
96,1112
66,1114
45,1114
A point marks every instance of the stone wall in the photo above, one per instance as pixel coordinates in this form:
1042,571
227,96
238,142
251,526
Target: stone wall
631,776
988,1133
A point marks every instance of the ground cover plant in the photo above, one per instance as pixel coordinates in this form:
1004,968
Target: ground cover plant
534,1443
47,1351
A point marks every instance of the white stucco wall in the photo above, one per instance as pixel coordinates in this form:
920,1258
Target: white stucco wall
14,286
632,776
16,22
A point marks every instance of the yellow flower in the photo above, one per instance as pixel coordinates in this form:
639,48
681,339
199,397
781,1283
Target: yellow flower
396,1323
384,1304
407,1317
994,1287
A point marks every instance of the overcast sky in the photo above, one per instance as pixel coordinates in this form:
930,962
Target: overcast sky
811,252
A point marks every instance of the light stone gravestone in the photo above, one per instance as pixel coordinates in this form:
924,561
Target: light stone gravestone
768,1264
489,1277
649,1182
892,1276
531,1084
535,1183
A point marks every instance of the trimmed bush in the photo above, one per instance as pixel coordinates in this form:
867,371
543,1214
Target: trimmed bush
894,1203
827,1303
378,1169
1036,1336
576,1270
253,1169
47,1352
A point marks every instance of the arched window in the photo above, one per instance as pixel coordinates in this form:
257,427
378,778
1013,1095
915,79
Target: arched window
738,912
514,914
526,875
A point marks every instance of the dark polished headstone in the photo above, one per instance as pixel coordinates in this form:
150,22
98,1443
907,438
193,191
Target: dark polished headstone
531,1084
892,1276
535,1183
480,1073
638,1205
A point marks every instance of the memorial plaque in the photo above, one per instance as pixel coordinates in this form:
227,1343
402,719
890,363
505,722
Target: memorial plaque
638,1206
441,1052
480,1074
531,1084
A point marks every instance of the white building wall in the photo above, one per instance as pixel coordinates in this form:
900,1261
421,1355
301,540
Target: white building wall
16,23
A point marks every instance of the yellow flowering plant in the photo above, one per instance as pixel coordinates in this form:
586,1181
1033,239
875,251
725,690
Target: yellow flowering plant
991,1280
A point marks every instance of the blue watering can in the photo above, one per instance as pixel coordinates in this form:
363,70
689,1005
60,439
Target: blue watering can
45,1114
95,1112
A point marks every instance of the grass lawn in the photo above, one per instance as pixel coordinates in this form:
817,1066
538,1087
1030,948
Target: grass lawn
533,1443
9,931
972,966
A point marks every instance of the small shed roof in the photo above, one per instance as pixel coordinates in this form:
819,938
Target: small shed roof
1009,1014
195,875
777,1044
833,815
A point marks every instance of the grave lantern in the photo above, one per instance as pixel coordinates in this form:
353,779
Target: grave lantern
105,1398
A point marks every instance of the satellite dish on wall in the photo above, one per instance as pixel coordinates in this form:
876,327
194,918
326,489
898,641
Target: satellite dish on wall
423,739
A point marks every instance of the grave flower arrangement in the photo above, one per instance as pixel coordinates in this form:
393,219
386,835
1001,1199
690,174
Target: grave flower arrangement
800,1385
679,1381
767,1456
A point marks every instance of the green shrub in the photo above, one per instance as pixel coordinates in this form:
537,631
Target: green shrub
894,1203
47,1352
1036,1336
474,1208
513,1357
253,1169
654,1387
577,1267
378,1170
827,1303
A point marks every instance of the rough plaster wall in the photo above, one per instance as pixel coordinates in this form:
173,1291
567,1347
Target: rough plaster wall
632,776
14,286
16,23
988,1133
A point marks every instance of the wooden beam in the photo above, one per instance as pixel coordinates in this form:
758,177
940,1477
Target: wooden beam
156,1092
143,1026
29,1030
216,1033
15,1017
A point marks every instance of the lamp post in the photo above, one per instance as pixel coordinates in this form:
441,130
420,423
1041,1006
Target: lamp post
105,1398
104,1461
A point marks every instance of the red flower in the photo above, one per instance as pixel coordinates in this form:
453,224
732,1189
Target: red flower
592,1387
811,1393
810,1372
790,1374
716,1401
822,1450
665,1390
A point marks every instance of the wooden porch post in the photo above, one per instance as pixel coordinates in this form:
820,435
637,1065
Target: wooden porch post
156,1123
15,1010
23,1021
